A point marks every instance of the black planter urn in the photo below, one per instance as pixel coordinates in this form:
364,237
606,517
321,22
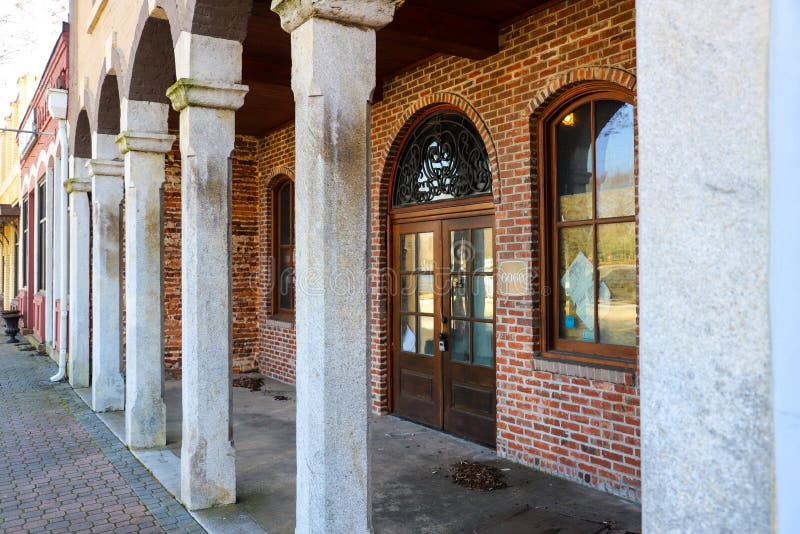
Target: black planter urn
11,318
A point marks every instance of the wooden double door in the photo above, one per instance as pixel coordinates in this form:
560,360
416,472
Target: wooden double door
443,335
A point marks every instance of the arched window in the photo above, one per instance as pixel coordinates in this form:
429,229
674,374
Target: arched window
443,158
283,248
589,246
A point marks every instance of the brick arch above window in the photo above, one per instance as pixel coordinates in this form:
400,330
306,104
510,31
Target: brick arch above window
550,106
557,85
422,106
275,175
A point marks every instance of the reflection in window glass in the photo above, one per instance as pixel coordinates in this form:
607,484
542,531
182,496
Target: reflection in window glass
574,165
482,246
459,341
460,251
408,252
425,291
482,342
426,336
483,297
408,293
408,333
426,251
459,295
616,297
286,282
576,279
614,159
286,214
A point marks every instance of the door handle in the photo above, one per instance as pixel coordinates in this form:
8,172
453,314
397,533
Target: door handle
442,342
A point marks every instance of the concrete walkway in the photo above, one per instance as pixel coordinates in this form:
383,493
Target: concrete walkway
412,490
61,470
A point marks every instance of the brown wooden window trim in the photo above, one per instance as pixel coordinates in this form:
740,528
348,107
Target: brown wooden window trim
593,354
278,218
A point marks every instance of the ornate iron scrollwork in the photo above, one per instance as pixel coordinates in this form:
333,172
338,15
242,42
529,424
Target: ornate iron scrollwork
444,158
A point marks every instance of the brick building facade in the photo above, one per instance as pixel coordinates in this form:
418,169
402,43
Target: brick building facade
580,422
477,193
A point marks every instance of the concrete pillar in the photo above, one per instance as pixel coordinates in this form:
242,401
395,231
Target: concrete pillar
333,75
108,384
79,228
207,121
707,436
143,150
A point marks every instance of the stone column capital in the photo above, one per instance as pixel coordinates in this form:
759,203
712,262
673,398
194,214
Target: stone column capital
144,142
78,185
106,167
188,92
374,14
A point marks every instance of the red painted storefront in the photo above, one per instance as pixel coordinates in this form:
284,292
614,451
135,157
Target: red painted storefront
37,162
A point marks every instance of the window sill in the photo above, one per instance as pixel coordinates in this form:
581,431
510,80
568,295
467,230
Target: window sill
568,364
615,363
281,320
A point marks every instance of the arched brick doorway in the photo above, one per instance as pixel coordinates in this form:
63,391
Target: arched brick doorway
441,260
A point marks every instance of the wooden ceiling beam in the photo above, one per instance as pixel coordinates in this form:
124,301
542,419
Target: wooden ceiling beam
446,32
266,71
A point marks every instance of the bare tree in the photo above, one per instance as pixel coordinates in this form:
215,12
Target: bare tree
18,19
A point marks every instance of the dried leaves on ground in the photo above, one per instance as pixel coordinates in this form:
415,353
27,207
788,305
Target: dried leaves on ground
253,383
477,476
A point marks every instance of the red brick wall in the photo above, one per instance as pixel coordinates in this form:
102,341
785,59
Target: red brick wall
585,429
245,276
276,338
171,267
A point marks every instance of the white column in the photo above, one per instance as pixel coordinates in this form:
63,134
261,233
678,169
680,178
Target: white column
144,150
55,287
78,366
48,260
57,105
207,121
108,384
333,75
707,436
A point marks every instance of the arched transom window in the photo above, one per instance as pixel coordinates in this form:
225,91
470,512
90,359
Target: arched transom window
443,158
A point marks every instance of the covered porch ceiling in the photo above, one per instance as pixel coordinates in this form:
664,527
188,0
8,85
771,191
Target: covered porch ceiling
420,29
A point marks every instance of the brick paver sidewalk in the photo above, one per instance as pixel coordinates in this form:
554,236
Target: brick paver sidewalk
61,469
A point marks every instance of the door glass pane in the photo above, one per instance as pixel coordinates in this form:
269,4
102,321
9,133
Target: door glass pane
459,341
460,250
614,158
408,252
426,251
483,297
408,293
408,333
574,164
482,344
426,336
616,296
459,295
425,291
482,244
576,278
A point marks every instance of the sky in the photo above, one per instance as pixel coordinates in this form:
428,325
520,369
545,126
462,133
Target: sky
28,32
